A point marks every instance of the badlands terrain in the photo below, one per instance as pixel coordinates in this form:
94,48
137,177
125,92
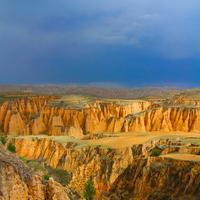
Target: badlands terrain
131,144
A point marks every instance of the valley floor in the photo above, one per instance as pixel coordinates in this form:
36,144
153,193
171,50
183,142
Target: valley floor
128,139
122,140
182,156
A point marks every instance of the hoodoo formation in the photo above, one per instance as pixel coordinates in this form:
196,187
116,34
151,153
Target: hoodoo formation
140,149
35,115
127,173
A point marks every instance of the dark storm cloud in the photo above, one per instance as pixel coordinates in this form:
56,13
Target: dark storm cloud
99,41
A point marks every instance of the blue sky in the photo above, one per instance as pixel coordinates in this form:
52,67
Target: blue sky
133,43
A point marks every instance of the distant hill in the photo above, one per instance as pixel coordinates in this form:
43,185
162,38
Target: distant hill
103,92
191,94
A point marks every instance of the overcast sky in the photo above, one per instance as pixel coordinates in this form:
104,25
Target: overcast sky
129,42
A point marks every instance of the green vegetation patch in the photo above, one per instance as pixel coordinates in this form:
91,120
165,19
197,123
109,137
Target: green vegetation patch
39,166
11,148
60,175
34,116
155,152
89,190
46,177
23,159
3,139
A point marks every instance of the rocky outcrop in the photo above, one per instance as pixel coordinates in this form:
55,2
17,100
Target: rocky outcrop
17,181
166,119
102,165
17,116
157,178
129,173
168,146
16,124
33,115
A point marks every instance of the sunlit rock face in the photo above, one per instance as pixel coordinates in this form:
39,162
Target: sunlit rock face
128,173
18,182
167,119
33,115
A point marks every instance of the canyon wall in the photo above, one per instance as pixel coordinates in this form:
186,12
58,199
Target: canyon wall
32,116
102,165
18,182
157,178
128,173
166,119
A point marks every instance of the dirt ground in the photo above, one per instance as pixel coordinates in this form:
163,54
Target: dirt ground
128,139
122,140
178,156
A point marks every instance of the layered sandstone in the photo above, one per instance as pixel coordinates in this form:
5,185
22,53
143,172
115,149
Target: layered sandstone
102,165
129,173
33,115
18,182
157,178
166,119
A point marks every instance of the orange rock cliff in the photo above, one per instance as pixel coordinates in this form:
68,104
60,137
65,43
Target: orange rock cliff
33,115
119,174
19,182
128,173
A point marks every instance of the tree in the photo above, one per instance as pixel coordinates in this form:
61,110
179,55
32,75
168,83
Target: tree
89,190
11,148
46,177
3,139
155,152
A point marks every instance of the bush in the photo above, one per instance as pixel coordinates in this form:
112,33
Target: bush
60,175
46,177
11,148
34,116
23,159
155,152
89,190
107,159
3,139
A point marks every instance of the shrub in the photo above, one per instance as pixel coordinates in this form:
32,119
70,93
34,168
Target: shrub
37,166
3,139
23,159
44,133
107,159
89,190
46,177
11,148
34,116
155,152
60,175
